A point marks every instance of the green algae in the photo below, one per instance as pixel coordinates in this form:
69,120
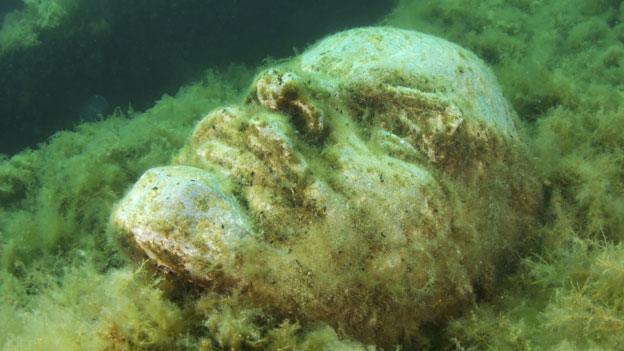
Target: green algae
65,284
21,28
560,65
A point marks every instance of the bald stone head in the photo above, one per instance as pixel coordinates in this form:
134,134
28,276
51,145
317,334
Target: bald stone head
375,183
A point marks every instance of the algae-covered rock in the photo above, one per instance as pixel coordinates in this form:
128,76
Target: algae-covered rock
376,183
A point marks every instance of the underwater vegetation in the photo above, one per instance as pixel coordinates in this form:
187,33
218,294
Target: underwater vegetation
65,282
21,27
561,65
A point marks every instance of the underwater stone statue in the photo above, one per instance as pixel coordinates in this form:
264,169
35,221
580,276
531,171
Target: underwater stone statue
377,183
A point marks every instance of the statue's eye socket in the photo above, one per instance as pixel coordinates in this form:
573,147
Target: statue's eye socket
287,93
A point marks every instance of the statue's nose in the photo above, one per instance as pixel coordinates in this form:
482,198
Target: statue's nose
179,214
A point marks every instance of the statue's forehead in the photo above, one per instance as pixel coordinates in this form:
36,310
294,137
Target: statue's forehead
415,60
360,53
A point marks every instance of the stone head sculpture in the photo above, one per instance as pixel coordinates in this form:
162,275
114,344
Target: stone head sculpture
376,183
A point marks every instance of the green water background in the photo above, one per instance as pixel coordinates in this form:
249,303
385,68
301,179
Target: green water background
56,54
66,285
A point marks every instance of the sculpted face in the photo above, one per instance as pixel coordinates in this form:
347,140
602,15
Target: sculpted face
376,183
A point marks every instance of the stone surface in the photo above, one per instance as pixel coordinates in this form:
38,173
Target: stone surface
181,218
375,183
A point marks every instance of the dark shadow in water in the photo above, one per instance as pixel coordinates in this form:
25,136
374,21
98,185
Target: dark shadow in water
7,6
134,51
